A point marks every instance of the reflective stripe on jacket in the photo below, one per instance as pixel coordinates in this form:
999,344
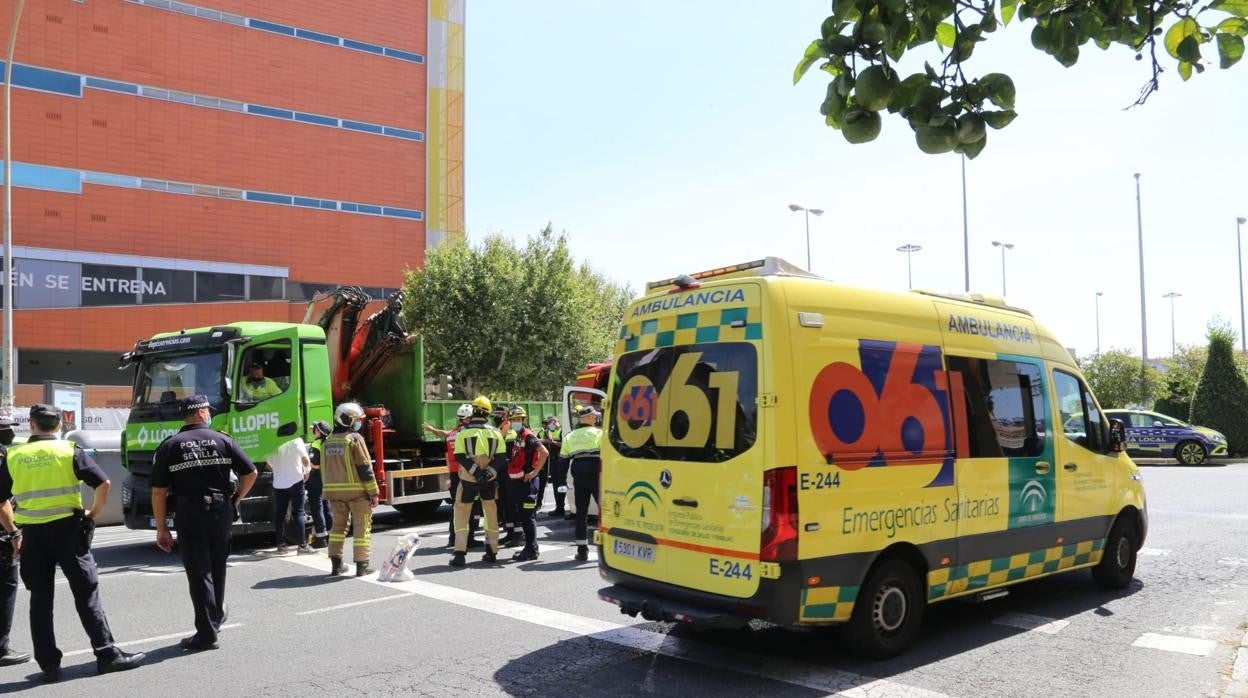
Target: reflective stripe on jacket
44,482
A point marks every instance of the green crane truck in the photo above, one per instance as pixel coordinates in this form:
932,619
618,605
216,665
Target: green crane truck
308,369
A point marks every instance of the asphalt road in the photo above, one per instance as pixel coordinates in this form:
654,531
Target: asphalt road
538,628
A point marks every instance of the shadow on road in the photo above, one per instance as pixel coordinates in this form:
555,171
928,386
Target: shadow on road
825,660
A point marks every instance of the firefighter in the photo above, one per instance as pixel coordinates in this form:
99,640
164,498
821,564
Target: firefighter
481,455
196,465
584,462
526,459
463,414
322,517
552,437
506,525
347,472
43,475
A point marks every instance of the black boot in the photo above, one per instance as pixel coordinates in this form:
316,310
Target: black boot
490,556
363,568
335,565
457,560
123,661
525,555
582,552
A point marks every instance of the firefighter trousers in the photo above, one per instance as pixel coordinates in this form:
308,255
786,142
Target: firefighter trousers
361,512
468,493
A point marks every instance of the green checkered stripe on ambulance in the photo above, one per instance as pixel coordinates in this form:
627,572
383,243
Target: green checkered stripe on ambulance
949,581
727,325
827,603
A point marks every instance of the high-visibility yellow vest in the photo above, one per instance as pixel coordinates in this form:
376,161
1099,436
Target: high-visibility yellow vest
480,442
44,483
585,438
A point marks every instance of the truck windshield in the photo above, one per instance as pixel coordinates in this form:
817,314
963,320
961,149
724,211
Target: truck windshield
162,378
694,402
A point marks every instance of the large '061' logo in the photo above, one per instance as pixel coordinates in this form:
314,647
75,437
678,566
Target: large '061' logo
892,411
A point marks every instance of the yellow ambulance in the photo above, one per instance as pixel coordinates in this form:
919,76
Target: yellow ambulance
784,448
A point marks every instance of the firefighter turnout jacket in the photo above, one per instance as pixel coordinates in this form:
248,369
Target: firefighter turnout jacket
346,467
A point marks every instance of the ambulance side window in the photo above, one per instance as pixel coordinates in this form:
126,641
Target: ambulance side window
1003,411
1082,420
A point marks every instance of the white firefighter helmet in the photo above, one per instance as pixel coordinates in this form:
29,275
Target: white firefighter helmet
348,413
464,411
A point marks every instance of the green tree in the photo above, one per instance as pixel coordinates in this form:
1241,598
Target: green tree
1182,375
1119,379
1221,398
863,42
512,321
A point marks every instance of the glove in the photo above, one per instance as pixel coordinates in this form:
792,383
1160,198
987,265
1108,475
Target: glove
489,474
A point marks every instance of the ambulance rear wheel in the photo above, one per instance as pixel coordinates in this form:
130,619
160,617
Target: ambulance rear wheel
1117,565
888,611
1190,453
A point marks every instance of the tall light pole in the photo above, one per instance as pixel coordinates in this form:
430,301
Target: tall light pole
1004,246
1098,321
909,249
1239,257
817,212
1139,222
6,391
966,236
1172,295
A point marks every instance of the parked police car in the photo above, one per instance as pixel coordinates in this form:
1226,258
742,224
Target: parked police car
1154,435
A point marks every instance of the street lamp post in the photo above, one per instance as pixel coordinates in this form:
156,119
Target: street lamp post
6,391
817,212
909,249
1139,223
1098,321
1239,257
1172,295
1004,246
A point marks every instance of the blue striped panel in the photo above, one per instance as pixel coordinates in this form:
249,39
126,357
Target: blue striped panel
315,119
317,36
113,85
404,213
361,126
405,55
270,111
404,133
271,27
361,46
267,198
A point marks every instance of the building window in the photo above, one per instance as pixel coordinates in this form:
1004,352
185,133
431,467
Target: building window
212,287
104,284
265,288
35,366
167,286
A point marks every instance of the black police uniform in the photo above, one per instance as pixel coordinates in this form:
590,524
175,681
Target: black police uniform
195,464
8,574
65,543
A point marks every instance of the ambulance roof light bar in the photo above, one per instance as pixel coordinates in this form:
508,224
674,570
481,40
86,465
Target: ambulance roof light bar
768,266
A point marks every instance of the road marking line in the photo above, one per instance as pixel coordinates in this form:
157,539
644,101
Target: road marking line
353,604
1153,552
145,573
147,640
1240,672
798,673
1174,643
1035,624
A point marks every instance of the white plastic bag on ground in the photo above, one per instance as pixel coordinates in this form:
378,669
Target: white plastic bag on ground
394,569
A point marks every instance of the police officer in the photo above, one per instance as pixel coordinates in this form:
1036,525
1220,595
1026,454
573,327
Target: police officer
195,464
481,455
525,461
350,487
42,475
552,437
322,518
584,462
8,571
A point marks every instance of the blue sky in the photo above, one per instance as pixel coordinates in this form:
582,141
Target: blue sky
666,137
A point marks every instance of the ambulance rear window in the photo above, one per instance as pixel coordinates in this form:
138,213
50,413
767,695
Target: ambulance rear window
693,402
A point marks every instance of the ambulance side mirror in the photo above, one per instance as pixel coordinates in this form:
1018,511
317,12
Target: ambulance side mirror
1117,436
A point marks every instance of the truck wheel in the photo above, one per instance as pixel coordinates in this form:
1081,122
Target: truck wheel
888,611
1117,565
1190,453
418,510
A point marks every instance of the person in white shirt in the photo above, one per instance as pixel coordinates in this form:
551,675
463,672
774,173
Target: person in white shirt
291,468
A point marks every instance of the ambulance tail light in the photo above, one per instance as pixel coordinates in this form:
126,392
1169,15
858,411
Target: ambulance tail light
779,538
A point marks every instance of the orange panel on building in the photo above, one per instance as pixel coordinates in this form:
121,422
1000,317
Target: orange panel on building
179,165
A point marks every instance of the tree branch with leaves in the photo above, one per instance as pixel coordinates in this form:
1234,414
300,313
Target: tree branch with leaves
863,41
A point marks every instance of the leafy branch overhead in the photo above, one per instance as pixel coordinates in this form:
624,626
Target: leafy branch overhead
863,40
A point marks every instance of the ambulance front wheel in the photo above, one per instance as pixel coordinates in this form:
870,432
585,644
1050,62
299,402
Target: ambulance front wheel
888,611
1117,565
